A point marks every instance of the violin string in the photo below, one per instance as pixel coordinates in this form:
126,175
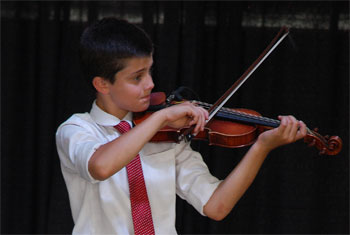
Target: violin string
241,114
259,118
249,116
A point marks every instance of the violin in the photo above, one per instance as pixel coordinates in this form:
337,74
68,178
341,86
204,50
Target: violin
231,128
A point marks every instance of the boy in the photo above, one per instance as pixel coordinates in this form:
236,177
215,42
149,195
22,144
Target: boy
98,151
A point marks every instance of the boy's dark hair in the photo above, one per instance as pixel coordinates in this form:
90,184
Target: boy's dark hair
106,44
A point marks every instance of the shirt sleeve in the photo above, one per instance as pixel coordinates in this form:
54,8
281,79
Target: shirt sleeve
194,183
75,146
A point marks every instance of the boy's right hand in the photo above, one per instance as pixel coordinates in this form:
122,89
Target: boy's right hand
186,114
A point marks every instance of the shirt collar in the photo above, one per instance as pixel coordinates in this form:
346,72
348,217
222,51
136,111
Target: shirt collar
105,119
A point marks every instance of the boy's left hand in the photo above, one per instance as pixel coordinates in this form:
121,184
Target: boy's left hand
289,131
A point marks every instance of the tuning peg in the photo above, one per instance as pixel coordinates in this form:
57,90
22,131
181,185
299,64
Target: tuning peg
312,143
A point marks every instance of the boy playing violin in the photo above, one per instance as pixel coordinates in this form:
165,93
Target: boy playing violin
99,154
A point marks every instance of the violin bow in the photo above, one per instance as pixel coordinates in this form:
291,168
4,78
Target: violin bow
284,31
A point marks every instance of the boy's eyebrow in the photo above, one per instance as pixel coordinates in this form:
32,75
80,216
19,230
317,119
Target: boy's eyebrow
140,70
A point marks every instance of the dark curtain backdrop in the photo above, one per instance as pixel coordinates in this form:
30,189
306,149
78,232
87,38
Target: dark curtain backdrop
205,46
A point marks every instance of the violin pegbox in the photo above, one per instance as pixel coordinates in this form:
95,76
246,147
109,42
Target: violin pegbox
326,144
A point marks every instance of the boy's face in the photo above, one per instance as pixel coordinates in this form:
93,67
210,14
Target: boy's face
132,87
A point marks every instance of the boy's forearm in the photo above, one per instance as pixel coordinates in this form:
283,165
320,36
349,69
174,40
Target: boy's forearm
113,156
236,183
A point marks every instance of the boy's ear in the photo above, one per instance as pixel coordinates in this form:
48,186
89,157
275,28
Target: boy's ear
101,85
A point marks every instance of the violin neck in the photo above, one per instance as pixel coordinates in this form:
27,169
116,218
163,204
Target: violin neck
239,116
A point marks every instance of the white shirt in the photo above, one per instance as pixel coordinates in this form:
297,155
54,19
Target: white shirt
103,207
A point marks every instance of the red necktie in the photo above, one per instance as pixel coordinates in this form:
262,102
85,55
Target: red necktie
140,207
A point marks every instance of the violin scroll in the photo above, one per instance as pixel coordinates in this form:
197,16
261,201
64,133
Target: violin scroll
327,145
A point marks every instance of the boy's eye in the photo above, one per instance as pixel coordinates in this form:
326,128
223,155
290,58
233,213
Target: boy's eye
138,77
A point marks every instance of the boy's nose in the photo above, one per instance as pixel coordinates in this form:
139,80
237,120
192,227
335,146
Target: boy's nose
149,83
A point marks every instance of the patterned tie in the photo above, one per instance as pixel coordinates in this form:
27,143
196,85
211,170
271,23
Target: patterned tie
140,207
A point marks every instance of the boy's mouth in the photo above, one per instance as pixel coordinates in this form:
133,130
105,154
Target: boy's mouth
146,98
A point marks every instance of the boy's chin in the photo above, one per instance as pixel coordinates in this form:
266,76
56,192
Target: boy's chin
141,109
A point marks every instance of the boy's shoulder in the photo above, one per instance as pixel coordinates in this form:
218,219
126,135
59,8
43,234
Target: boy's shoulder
82,120
78,118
